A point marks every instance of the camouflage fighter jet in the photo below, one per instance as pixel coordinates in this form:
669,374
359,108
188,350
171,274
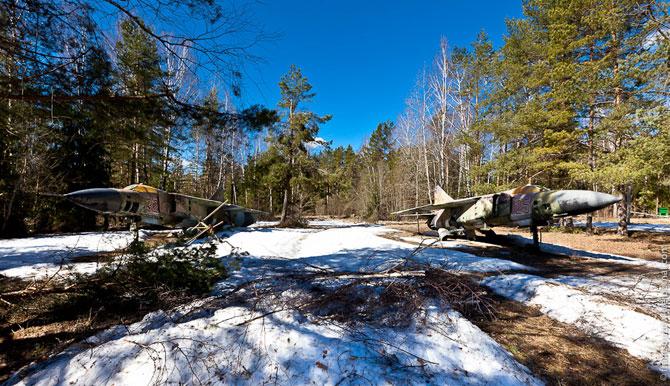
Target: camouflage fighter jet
153,206
526,206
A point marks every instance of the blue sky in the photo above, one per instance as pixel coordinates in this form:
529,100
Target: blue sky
362,57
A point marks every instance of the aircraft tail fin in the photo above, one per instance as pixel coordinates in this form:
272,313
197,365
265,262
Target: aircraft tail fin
440,196
219,194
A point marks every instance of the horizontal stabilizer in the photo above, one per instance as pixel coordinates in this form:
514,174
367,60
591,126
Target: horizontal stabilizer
463,202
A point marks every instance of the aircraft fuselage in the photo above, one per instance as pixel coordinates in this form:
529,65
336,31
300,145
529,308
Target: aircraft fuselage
157,207
529,207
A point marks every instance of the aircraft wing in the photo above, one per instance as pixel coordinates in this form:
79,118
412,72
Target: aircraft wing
213,204
420,210
418,215
232,208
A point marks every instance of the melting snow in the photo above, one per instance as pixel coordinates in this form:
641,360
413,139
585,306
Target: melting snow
43,255
642,335
648,292
235,345
660,228
286,349
348,247
232,345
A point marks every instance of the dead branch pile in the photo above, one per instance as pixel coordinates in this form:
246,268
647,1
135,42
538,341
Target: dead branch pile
388,299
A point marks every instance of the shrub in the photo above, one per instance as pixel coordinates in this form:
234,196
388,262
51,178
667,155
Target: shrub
152,280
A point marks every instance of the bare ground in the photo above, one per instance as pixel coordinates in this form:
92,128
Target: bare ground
556,351
559,352
41,318
37,325
642,245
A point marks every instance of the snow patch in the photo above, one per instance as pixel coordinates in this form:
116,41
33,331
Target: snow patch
642,335
41,256
657,228
231,347
567,251
349,247
647,292
240,346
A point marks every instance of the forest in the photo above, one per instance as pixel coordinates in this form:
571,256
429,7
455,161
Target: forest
93,94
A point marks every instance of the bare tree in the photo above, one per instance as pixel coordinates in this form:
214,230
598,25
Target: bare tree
182,84
442,119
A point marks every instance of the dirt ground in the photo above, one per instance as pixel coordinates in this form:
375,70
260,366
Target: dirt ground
643,245
35,326
557,351
42,318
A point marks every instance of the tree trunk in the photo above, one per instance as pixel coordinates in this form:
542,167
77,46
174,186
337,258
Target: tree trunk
427,169
137,166
624,210
166,157
233,185
592,160
416,184
379,181
284,207
424,141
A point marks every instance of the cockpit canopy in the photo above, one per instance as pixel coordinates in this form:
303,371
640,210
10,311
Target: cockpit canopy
526,189
141,188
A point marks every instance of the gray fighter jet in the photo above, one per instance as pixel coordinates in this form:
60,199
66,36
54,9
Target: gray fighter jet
153,206
526,206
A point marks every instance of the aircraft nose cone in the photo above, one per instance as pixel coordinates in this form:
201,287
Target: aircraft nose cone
574,202
99,199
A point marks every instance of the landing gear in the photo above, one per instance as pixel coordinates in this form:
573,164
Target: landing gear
135,229
536,237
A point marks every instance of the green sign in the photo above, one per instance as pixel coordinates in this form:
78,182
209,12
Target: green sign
662,211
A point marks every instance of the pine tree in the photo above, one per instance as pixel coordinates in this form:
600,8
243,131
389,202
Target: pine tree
627,109
298,128
81,150
139,74
377,156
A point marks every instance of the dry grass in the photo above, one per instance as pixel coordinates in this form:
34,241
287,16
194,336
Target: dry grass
556,351
393,298
642,245
559,352
41,318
